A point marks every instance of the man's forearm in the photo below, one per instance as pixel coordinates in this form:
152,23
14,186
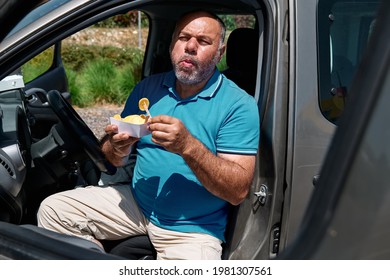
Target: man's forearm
225,178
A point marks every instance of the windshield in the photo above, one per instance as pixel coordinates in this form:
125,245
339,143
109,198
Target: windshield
40,11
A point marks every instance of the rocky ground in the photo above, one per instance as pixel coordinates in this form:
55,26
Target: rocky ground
97,117
118,37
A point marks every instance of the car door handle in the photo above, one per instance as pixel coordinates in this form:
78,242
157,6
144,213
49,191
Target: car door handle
34,95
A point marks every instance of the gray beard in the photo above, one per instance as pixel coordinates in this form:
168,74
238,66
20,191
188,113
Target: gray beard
199,75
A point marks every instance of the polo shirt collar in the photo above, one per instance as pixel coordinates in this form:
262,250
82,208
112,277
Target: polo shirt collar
209,90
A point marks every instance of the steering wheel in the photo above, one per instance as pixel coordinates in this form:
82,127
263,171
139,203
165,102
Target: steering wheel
82,133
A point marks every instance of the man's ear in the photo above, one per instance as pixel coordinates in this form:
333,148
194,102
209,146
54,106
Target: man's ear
222,50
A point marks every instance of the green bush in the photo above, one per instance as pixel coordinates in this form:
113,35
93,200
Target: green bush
98,78
78,98
102,82
126,81
236,21
76,56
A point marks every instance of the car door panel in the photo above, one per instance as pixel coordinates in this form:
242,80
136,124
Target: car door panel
42,116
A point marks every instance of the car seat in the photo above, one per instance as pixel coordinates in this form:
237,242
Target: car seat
241,58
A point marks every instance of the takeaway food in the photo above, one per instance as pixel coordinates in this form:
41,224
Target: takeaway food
135,125
133,119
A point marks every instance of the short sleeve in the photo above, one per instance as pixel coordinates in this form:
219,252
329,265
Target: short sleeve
240,131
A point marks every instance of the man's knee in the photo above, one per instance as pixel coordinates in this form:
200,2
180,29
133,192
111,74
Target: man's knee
48,211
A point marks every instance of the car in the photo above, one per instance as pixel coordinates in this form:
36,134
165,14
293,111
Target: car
302,58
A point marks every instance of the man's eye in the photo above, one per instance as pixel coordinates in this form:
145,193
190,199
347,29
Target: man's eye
204,42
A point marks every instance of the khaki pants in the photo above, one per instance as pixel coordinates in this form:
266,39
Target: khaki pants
111,213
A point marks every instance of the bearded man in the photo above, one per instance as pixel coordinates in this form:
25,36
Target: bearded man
198,160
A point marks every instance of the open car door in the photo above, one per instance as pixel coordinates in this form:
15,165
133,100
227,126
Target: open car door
347,217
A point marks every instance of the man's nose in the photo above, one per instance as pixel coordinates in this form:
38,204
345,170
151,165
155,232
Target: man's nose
191,46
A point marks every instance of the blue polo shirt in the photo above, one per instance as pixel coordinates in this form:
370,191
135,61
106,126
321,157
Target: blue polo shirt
223,117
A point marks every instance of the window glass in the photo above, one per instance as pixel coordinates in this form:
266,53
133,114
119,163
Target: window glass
344,29
103,62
